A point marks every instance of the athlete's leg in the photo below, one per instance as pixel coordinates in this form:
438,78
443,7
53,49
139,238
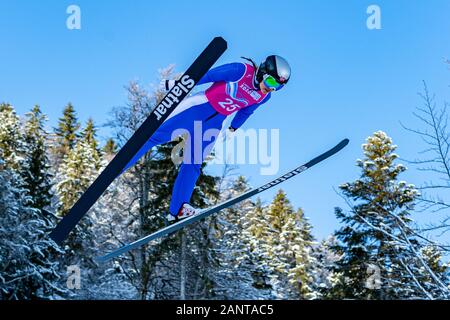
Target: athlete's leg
189,172
184,186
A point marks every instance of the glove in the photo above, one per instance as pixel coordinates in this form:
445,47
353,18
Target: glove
166,85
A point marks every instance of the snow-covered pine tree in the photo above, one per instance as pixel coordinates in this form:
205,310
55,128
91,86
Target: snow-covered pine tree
254,229
89,135
77,173
323,262
74,176
110,149
232,268
36,164
66,134
433,259
287,243
279,245
297,233
380,252
26,270
12,146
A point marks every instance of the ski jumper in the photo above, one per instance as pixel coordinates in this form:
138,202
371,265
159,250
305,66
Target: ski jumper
232,91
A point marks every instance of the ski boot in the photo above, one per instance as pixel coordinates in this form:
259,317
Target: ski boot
185,211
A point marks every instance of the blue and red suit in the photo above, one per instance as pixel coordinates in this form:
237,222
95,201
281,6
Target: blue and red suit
232,91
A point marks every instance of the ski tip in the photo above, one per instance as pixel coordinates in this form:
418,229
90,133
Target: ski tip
341,145
219,41
345,142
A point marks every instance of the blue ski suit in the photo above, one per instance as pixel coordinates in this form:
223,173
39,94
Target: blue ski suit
198,109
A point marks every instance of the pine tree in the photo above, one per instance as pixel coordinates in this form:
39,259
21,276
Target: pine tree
11,139
26,268
36,164
433,259
89,136
279,242
255,227
110,148
66,133
299,236
287,243
232,268
323,262
377,244
76,175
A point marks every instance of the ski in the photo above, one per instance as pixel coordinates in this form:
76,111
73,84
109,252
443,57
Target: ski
171,100
207,212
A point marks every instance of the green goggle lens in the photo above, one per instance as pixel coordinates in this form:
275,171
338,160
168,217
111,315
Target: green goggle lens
270,82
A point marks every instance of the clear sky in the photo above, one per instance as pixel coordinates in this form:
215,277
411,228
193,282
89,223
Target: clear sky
348,81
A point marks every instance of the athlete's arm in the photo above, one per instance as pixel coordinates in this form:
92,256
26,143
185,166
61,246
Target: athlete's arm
229,72
243,114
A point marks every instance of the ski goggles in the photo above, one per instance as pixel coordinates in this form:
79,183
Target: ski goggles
271,83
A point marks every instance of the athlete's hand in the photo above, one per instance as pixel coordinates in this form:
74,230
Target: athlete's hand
166,85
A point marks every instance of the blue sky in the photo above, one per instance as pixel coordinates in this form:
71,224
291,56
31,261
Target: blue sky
347,81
